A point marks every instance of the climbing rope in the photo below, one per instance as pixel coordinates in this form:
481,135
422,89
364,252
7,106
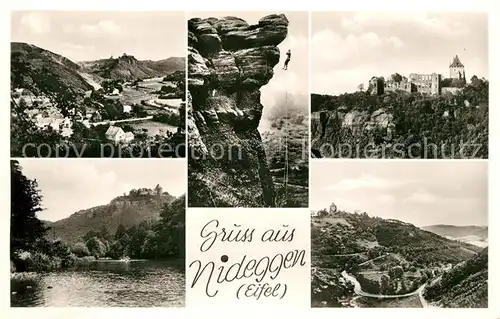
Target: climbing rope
286,145
285,177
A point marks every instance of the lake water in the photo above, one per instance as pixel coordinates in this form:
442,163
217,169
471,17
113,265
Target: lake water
105,284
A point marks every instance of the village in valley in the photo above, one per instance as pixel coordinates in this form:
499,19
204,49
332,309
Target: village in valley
143,104
122,111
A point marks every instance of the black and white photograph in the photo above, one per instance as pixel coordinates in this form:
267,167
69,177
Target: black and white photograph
408,85
405,234
98,84
248,109
97,233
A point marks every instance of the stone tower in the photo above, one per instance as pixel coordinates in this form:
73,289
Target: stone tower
377,86
158,190
457,69
435,83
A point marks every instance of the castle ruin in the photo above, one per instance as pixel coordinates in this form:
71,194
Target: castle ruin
433,84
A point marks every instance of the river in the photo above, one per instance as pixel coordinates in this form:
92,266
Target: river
105,284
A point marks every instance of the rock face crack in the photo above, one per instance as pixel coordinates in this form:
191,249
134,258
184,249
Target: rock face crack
229,61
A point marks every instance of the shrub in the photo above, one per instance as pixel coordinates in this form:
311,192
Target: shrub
39,262
80,250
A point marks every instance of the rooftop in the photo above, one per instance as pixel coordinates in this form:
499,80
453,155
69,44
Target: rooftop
456,62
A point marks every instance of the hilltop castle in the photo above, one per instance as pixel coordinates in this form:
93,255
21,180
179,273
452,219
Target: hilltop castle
432,83
157,191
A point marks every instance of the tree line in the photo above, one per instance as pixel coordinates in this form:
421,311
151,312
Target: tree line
32,250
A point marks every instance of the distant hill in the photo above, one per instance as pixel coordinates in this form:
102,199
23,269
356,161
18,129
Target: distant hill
475,235
41,70
464,286
129,210
458,231
127,67
170,65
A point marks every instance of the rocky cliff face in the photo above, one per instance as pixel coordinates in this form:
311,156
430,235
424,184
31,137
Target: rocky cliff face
325,125
127,210
229,61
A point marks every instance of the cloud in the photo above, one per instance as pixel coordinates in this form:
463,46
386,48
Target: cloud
420,21
77,52
37,23
69,185
332,51
339,81
366,181
385,198
104,27
396,42
348,49
422,196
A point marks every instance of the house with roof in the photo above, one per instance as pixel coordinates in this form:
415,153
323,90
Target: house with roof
96,116
66,131
127,108
117,135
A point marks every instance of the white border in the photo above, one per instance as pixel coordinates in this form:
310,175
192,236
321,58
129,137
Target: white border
259,5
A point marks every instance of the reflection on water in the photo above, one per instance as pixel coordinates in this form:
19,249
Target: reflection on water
105,284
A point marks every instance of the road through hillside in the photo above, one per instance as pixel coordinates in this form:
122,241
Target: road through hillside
360,292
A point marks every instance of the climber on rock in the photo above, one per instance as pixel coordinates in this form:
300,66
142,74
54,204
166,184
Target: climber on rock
288,56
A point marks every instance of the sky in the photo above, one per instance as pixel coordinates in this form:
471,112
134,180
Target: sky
69,185
82,36
295,80
348,48
418,192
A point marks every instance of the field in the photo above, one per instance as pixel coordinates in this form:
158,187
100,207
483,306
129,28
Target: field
153,128
147,91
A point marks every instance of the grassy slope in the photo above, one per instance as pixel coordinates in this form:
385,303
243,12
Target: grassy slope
38,69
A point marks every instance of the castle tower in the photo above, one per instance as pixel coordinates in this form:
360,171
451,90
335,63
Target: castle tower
377,86
435,83
158,190
457,69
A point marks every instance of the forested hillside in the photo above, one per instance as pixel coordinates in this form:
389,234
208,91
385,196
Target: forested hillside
394,121
465,286
385,256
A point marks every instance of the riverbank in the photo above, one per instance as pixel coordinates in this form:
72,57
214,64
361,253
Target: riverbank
25,261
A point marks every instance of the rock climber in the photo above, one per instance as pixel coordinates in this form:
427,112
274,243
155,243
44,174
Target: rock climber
288,56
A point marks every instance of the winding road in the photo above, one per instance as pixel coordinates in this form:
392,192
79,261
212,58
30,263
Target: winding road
138,119
360,292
